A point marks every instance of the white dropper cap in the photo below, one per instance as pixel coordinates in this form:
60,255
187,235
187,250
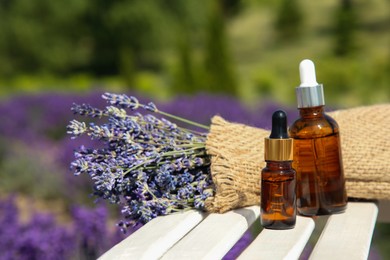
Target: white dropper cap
307,73
309,93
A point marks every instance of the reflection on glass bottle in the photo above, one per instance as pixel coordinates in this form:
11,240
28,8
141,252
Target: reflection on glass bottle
278,198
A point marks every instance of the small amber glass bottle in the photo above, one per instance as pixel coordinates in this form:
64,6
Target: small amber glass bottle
278,198
317,151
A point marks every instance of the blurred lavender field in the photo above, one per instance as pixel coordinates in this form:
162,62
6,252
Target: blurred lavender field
35,155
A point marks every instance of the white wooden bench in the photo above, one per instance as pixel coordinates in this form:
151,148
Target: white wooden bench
195,235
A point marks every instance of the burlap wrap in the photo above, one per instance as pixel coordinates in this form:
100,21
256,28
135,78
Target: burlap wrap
237,157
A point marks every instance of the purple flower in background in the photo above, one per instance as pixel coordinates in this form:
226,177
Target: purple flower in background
40,238
9,227
90,231
87,236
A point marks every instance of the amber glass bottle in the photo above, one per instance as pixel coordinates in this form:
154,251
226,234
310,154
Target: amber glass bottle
317,151
278,183
318,162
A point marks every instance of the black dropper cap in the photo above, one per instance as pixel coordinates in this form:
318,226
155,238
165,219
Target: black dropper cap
279,125
278,146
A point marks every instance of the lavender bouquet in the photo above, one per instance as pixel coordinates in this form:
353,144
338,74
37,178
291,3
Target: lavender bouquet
148,165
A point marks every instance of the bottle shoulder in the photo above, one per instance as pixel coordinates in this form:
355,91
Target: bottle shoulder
313,127
272,174
278,167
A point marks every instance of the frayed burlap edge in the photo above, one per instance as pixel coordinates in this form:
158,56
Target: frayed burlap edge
236,160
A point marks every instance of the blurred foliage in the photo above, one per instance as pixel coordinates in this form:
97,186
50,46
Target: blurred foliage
289,20
219,75
185,78
345,26
94,36
40,36
163,48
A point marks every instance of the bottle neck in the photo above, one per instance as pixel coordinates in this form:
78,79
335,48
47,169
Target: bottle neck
312,112
279,165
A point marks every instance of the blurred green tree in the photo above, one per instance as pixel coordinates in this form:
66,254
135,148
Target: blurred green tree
97,37
345,28
41,36
289,20
231,8
219,75
189,17
184,77
126,35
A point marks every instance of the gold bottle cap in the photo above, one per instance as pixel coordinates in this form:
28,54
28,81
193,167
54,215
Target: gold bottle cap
278,149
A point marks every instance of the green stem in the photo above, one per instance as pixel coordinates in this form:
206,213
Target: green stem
194,145
180,151
150,192
136,166
183,120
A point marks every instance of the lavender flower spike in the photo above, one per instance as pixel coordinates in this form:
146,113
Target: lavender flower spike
87,110
76,128
122,101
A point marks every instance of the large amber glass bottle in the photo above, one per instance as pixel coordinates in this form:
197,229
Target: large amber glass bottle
317,151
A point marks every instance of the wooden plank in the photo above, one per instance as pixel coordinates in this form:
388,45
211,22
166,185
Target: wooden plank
347,235
215,235
156,237
280,244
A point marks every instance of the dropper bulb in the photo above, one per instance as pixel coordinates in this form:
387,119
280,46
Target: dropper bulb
307,73
279,125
